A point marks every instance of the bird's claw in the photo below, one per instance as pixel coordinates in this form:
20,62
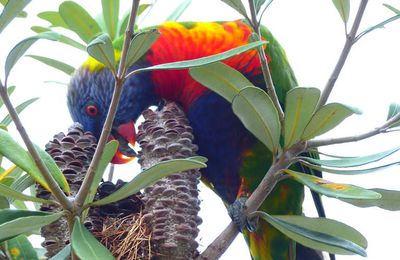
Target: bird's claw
236,212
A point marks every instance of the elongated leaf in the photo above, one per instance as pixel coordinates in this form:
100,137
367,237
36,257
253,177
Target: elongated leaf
108,153
258,114
149,176
343,7
140,44
54,18
110,16
179,10
4,204
20,248
390,200
394,109
7,120
327,118
319,233
86,246
10,11
203,61
349,172
352,161
330,189
380,25
79,20
300,106
220,78
23,46
237,5
63,254
53,169
8,192
124,23
67,69
15,222
17,155
258,4
101,48
19,204
62,38
10,90
392,8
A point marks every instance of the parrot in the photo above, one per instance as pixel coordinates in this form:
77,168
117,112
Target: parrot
237,161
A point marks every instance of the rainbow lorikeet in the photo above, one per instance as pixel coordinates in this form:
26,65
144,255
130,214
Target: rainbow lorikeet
237,161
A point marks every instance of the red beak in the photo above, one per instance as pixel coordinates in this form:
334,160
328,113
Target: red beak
125,134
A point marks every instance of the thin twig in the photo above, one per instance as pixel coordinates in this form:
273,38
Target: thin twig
55,189
264,63
84,190
381,129
343,56
222,242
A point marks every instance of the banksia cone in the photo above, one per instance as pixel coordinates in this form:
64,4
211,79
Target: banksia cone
72,152
171,204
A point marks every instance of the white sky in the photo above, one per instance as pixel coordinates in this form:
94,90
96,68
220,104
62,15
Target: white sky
312,34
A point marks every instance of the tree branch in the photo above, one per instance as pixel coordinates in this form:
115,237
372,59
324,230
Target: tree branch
381,129
119,81
55,189
264,63
350,40
271,178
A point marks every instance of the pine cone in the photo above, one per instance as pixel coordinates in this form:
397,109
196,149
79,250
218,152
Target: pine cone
72,153
171,204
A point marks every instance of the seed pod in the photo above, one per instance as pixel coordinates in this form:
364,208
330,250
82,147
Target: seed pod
171,205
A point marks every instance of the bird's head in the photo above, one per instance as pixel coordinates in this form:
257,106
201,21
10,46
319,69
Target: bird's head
89,96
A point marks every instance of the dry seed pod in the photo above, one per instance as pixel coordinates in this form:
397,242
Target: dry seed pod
171,204
72,152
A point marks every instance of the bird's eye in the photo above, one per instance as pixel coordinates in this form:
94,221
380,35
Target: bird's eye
91,110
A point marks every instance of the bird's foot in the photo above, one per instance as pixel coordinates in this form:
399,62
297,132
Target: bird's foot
237,213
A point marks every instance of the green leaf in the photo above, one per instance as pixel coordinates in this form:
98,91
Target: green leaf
237,5
330,189
10,11
7,120
327,118
348,172
110,16
380,25
20,248
149,176
390,200
108,153
62,38
67,69
4,204
15,222
220,78
394,109
23,46
79,20
351,161
8,192
258,114
258,4
85,245
300,107
10,90
17,155
319,233
391,8
343,7
140,44
179,10
205,60
124,24
54,18
53,169
101,48
63,254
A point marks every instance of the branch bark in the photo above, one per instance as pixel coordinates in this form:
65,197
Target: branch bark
119,81
350,40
